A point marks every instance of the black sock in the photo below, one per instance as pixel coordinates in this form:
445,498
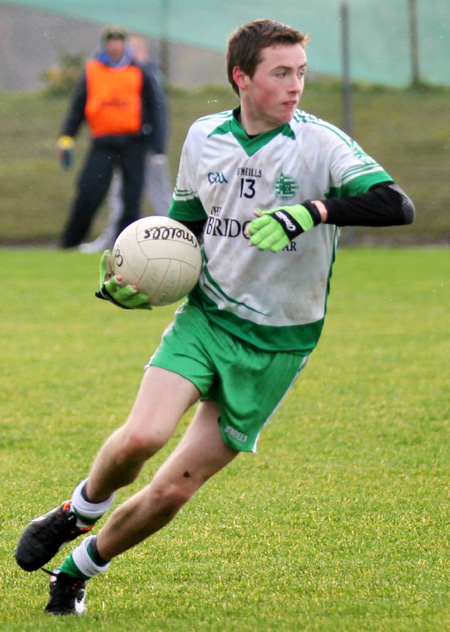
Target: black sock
95,555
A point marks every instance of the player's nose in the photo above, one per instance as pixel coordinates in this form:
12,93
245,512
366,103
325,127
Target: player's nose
296,84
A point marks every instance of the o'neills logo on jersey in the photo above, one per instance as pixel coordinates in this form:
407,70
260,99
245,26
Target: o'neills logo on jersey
220,227
249,172
285,187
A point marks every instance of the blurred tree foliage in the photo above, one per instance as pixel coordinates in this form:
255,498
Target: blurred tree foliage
61,78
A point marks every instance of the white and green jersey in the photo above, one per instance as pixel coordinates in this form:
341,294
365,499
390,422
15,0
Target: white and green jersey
274,301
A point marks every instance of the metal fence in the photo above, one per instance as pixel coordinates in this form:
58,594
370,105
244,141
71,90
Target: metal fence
392,42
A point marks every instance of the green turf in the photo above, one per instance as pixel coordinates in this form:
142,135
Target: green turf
406,131
338,523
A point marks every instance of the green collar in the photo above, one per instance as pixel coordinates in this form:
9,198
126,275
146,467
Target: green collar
248,144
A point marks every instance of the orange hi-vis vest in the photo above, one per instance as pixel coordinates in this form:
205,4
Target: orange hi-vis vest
114,103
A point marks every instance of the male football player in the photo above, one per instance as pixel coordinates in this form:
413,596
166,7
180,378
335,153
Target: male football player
247,329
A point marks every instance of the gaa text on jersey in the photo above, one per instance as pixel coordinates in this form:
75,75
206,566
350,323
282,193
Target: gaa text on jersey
217,177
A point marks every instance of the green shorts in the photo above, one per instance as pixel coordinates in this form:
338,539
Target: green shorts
247,384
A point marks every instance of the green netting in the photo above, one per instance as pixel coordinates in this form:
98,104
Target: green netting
379,29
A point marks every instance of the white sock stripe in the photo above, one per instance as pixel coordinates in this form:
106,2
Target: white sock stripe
84,562
87,509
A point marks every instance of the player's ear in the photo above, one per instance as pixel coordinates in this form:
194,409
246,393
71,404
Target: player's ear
240,78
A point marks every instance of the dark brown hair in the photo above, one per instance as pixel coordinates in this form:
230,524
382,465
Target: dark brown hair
245,44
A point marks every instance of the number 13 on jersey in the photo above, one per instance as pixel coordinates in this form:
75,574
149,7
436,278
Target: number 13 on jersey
247,188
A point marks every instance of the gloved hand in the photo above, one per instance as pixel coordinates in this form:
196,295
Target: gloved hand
127,296
64,151
276,227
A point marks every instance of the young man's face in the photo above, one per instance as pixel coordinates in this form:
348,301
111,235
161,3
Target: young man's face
270,97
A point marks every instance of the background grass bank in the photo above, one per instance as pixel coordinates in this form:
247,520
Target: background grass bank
406,131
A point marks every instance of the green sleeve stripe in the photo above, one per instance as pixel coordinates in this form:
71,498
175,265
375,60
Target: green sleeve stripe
362,171
184,192
360,184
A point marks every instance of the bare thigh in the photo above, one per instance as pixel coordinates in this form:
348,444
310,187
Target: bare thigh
162,400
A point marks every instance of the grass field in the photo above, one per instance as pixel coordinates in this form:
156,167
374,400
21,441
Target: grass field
338,523
406,131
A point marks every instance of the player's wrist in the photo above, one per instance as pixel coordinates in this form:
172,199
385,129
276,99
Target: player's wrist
321,207
314,209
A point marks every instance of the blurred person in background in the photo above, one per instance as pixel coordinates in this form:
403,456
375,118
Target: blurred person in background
117,100
157,189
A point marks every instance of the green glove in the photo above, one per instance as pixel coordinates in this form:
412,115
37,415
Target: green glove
111,290
276,227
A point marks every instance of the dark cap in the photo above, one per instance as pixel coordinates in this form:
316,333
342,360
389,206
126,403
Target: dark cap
114,31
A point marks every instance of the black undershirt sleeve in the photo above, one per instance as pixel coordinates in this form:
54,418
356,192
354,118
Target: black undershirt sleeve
384,204
195,227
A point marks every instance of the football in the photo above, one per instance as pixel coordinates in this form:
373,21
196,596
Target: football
160,256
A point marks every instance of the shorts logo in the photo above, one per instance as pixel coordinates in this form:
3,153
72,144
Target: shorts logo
236,434
285,187
216,177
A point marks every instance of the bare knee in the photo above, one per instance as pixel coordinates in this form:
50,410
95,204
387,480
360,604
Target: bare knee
136,445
